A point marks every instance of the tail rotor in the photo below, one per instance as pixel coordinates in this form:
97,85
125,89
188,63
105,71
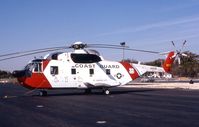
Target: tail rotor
174,56
179,53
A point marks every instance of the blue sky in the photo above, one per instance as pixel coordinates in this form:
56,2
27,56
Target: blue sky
142,24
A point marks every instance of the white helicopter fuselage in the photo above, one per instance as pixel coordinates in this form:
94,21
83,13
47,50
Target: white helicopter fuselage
83,75
82,68
78,69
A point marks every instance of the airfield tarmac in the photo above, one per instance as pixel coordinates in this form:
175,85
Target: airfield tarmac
124,107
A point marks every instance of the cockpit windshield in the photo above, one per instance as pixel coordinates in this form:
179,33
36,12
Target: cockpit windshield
34,67
29,67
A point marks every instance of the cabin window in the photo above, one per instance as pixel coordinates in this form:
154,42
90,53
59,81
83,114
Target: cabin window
55,56
73,71
54,70
37,67
108,71
91,71
85,58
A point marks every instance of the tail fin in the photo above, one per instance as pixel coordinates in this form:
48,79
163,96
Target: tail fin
169,61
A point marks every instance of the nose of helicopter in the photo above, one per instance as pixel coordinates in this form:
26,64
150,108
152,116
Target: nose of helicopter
18,73
21,73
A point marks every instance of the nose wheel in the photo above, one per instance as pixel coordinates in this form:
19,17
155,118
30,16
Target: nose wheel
43,93
106,91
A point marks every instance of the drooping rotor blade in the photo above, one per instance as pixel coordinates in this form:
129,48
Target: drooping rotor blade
105,45
35,50
126,48
28,53
121,46
140,50
75,46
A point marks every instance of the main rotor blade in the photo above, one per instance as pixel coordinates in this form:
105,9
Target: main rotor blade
105,45
130,49
35,50
140,50
32,53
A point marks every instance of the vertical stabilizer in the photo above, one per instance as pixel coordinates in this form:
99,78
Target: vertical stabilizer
169,61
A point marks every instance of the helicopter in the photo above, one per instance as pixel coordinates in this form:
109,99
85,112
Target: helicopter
83,68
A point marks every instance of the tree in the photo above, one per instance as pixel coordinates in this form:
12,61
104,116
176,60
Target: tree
189,66
130,60
5,74
157,63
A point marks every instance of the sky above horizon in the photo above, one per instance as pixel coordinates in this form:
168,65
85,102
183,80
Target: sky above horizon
142,24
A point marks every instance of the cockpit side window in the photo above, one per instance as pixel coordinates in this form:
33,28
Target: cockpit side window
85,58
37,67
55,56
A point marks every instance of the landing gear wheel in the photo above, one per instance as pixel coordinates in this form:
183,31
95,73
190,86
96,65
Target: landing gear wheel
43,93
106,91
87,91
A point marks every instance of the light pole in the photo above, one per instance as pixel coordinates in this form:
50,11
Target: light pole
123,45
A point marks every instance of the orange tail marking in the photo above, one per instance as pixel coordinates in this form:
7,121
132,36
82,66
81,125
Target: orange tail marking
168,62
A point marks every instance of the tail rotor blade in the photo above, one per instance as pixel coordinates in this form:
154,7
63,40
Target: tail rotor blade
174,55
174,46
183,54
183,45
173,43
179,61
184,42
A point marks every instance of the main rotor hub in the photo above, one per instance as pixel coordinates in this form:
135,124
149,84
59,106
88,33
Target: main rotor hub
78,45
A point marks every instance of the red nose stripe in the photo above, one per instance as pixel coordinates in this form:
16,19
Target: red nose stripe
132,72
37,80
